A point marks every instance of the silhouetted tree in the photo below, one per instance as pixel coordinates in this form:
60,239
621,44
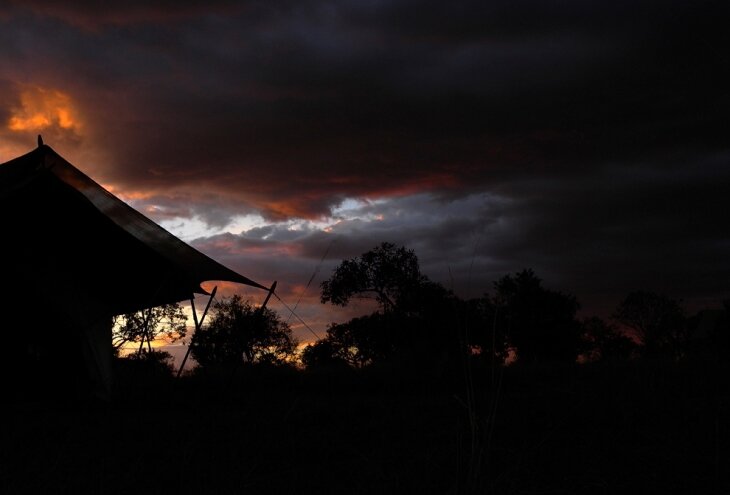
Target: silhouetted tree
238,332
325,353
415,319
604,341
387,273
168,322
152,363
363,340
483,329
657,320
539,322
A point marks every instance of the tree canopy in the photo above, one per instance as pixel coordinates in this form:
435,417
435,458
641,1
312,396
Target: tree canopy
604,341
657,320
238,333
168,322
418,317
387,273
414,319
358,342
540,323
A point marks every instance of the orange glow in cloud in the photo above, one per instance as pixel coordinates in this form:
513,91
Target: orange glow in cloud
128,196
225,289
41,108
430,182
283,209
362,189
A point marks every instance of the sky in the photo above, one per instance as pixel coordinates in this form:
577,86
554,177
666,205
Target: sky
585,140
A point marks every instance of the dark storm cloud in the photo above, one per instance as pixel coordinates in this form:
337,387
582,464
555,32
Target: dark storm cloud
665,232
344,99
584,139
93,14
10,97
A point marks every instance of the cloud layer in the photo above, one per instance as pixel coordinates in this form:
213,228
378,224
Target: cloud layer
584,140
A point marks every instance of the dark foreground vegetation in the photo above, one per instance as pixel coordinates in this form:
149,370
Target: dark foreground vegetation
632,427
510,393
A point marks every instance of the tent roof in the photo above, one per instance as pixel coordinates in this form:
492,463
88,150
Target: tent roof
64,232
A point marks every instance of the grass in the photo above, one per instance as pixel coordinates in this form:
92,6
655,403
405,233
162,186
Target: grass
621,428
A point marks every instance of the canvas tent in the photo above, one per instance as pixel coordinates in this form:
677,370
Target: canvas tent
74,255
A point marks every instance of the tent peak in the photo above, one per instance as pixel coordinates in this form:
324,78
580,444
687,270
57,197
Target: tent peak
103,223
40,140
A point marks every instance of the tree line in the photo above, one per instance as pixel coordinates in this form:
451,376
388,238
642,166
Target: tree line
420,323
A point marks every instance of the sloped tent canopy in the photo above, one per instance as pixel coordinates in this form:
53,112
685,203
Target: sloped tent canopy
74,255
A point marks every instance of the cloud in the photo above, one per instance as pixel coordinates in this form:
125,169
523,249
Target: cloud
582,236
584,140
91,14
300,107
29,110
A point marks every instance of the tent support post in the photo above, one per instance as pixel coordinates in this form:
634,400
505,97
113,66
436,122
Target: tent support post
198,325
268,296
259,314
145,334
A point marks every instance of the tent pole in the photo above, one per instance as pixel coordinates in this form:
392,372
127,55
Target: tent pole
259,314
149,315
258,317
268,296
198,325
148,332
144,334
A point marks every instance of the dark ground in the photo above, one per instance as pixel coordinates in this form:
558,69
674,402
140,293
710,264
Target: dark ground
623,428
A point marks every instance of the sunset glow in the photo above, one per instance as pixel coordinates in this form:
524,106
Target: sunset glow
268,140
468,247
41,108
